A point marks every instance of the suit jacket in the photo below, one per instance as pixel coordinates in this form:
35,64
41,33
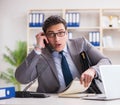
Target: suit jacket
43,67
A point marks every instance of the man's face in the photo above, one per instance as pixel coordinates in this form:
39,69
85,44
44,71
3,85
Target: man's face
60,36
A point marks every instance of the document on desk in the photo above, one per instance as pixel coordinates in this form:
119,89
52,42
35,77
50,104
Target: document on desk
75,89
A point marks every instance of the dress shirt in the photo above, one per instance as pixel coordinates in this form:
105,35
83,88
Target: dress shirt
57,59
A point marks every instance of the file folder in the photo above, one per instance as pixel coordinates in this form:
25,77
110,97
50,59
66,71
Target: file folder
86,63
7,92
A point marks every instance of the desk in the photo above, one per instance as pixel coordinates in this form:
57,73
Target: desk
54,100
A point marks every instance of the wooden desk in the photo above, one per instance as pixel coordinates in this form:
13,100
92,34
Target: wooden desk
54,100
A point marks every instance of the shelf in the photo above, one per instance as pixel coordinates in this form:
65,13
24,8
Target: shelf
111,28
111,49
84,28
89,21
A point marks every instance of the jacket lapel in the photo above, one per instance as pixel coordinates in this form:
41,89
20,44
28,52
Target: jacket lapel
48,57
75,55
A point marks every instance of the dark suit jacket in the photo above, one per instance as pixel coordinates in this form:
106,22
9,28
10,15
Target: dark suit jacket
43,67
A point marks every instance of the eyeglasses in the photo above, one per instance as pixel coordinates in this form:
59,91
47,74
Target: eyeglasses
59,34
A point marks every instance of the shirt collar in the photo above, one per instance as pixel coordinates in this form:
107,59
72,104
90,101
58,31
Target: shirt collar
65,50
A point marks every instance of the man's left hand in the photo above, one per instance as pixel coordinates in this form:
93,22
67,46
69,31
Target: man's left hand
87,77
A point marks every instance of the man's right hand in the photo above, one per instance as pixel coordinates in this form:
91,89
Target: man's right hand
40,37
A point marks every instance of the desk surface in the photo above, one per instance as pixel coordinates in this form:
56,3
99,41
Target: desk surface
55,100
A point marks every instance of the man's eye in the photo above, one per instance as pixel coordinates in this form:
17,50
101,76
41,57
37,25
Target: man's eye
51,34
60,32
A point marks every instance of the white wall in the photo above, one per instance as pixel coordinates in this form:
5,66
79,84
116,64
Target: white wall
13,15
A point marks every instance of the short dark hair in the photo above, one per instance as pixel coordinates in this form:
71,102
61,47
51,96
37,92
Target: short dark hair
53,20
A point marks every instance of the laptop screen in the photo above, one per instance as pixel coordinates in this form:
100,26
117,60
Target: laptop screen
110,75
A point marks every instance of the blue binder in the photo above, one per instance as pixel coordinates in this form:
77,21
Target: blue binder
7,92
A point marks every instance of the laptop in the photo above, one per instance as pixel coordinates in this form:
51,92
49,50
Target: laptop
110,75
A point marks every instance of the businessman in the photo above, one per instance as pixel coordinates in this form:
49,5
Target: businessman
55,60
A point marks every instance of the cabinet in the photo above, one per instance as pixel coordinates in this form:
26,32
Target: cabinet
100,26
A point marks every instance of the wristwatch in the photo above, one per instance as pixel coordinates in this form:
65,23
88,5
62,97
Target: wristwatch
37,46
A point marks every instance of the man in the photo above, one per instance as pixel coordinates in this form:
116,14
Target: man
44,62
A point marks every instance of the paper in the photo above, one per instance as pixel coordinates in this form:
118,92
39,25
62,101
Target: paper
75,89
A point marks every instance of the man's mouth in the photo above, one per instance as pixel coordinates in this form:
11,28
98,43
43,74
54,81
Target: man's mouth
57,45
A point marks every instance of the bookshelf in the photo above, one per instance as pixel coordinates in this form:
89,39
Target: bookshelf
100,26
111,32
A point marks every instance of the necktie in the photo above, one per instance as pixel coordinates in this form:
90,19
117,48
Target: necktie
66,70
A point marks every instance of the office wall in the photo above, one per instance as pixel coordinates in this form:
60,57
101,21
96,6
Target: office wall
13,17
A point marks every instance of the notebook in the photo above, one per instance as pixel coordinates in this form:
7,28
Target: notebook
110,75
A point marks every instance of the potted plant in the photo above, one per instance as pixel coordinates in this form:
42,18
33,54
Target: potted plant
14,58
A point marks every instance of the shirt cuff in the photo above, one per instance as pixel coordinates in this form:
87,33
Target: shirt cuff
37,52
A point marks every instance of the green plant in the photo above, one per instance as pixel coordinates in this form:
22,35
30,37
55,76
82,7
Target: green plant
14,58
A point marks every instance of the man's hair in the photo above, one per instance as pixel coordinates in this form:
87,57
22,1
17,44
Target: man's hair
53,20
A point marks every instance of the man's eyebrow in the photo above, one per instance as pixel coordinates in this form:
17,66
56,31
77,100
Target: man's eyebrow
61,30
50,31
57,30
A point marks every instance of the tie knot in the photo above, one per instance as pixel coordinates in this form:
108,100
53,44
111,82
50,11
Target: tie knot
61,52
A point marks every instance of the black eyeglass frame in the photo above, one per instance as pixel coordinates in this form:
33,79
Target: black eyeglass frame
58,34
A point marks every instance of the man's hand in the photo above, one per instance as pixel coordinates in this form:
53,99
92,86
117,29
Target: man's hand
40,37
87,77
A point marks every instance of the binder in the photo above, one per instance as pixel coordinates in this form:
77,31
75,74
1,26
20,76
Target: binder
94,38
37,20
7,92
86,63
30,20
97,39
74,19
91,37
77,20
70,20
41,19
69,35
34,20
67,18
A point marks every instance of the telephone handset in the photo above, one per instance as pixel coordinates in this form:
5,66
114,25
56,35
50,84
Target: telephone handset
48,46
